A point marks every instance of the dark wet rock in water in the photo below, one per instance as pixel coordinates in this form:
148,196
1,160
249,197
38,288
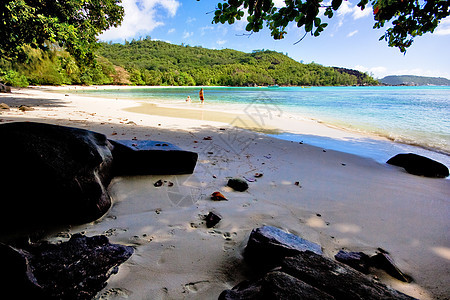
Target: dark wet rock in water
419,165
212,219
58,175
268,245
238,184
383,261
77,269
357,260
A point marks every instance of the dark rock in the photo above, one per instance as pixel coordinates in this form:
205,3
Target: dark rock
268,245
25,108
151,157
279,285
238,184
336,279
77,269
4,106
5,88
57,175
419,165
383,261
158,183
212,219
246,290
274,285
357,260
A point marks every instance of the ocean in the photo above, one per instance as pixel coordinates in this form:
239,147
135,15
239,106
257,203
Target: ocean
413,119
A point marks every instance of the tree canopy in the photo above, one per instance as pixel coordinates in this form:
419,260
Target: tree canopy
71,24
405,19
159,63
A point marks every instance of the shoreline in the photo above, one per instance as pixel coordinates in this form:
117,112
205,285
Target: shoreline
343,201
288,127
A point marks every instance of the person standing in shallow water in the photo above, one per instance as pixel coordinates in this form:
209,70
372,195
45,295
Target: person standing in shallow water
201,95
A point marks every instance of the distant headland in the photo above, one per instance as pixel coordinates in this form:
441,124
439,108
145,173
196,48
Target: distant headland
411,80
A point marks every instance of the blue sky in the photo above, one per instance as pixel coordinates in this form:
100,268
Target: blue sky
349,40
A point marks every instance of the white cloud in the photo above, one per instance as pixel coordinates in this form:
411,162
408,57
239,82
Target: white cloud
187,34
377,72
358,13
443,27
205,29
141,17
190,20
221,42
352,33
171,30
345,8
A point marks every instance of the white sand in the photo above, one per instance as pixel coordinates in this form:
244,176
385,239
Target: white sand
362,204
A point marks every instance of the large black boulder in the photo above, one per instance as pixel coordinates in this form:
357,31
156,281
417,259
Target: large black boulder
76,269
52,175
55,175
267,246
419,165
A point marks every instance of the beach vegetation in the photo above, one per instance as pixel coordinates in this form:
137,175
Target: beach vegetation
13,78
54,67
405,20
71,24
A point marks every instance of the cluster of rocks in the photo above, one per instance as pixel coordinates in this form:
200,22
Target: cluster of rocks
23,108
59,175
293,268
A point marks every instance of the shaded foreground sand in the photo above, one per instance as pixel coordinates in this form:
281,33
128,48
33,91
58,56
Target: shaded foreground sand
342,202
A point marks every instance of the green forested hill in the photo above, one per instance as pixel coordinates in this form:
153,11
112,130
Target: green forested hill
160,63
147,62
414,80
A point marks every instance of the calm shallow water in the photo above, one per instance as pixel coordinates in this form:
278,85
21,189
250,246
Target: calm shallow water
410,115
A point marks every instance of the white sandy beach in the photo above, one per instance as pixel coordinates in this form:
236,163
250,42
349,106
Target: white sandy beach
343,201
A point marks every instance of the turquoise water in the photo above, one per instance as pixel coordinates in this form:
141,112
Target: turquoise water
410,115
